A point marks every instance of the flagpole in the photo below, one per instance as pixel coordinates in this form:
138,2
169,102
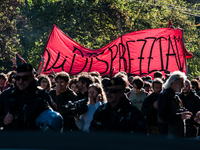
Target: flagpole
25,53
186,67
120,28
46,44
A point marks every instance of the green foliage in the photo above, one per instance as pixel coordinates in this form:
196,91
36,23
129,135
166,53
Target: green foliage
95,23
10,17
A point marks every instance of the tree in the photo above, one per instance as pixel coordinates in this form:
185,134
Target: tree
9,39
95,23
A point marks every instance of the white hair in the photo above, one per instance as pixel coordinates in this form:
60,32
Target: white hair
176,76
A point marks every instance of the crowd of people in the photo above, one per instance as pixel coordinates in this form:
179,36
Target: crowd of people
163,105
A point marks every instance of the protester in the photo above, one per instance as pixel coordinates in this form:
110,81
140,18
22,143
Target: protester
22,104
96,98
170,111
124,76
11,80
158,74
62,95
191,102
137,94
195,86
148,87
118,114
130,80
148,79
84,80
95,74
3,79
53,82
149,107
96,80
44,82
72,84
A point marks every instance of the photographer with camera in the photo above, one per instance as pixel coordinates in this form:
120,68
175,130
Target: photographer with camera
61,96
96,98
170,117
84,80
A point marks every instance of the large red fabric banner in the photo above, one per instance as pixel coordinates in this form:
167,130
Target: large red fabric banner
137,53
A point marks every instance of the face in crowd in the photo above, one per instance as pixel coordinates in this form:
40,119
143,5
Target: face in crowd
157,88
61,84
74,87
93,93
24,80
44,83
136,89
186,88
80,86
114,94
177,86
2,81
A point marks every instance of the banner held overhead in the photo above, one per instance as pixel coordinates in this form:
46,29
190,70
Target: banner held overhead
137,53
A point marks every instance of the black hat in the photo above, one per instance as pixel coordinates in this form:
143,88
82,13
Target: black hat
115,81
24,68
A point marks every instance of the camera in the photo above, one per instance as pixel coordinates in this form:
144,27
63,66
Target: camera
76,107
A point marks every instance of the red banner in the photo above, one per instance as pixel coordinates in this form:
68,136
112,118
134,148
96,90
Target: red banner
138,53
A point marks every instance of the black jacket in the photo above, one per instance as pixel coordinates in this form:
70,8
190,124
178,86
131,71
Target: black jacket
123,118
192,103
149,111
61,100
168,106
25,106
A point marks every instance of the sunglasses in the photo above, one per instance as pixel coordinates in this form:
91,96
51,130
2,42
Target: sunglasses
112,90
24,78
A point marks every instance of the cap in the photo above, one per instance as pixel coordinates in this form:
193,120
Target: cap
115,81
24,68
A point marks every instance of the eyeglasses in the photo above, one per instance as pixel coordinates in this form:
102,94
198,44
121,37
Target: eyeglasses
24,78
112,90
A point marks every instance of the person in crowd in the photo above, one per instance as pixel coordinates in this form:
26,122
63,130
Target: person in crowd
11,80
149,107
53,82
148,79
143,78
117,114
3,79
96,98
104,81
84,80
22,104
158,74
148,87
72,84
124,75
195,86
44,82
130,80
191,102
137,94
95,74
170,111
14,61
61,96
97,80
